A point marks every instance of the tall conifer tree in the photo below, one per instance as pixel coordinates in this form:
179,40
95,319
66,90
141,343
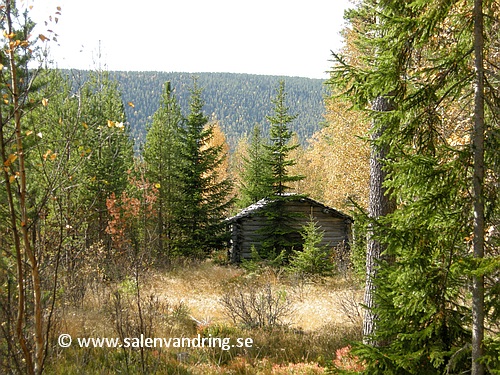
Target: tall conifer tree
279,235
279,148
205,199
161,154
256,171
424,54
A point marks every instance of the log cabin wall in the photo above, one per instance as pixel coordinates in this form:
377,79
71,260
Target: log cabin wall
246,227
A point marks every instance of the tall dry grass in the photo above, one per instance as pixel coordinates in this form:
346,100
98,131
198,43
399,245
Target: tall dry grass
184,301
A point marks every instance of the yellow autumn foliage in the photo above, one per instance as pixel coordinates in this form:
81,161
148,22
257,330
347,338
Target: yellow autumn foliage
218,139
336,163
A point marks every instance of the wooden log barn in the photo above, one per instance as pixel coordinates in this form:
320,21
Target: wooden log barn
245,227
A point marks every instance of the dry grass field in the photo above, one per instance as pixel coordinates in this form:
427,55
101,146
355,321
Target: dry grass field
298,326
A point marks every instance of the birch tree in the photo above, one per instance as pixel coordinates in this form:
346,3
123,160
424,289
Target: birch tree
32,169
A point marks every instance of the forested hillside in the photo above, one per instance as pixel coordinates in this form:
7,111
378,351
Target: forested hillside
113,261
238,101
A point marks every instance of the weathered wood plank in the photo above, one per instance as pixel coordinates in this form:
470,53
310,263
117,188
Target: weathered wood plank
335,226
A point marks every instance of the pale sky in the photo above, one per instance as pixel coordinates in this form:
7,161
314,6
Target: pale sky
274,37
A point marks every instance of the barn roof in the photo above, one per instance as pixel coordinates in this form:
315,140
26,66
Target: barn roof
250,210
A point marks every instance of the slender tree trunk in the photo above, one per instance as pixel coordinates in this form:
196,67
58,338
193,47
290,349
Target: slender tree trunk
478,181
160,223
37,366
19,259
379,205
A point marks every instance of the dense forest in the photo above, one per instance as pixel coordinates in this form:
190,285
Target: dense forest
237,101
100,241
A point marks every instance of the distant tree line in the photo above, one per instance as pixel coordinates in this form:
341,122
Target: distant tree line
237,101
79,206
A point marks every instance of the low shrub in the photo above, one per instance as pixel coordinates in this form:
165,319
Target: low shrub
313,259
346,361
257,307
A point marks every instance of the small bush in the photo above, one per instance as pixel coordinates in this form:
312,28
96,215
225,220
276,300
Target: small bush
253,306
220,258
350,306
346,361
256,263
313,259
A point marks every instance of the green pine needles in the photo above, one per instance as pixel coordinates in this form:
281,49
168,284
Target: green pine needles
161,155
193,199
256,172
314,259
277,152
279,233
421,54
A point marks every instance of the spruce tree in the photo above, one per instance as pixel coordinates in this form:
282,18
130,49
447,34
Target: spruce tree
379,205
313,259
256,171
421,53
279,148
205,199
161,154
279,234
